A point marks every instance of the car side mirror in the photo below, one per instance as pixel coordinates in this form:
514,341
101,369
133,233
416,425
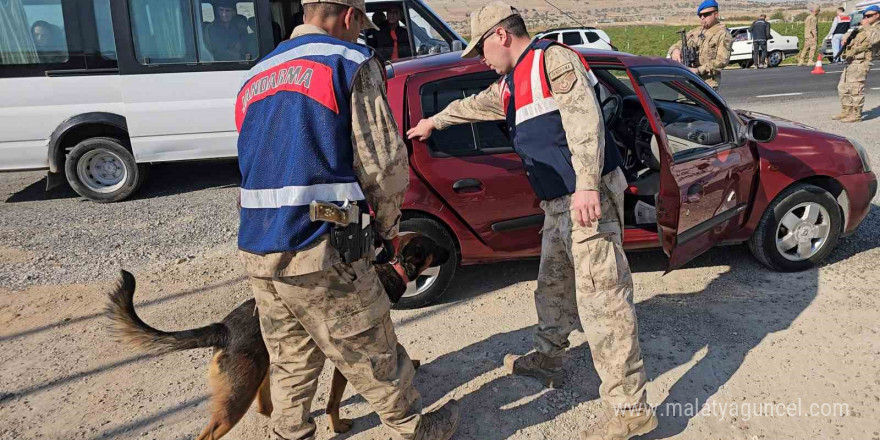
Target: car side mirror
456,46
759,130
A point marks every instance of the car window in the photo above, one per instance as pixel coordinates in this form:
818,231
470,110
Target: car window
572,38
552,36
428,39
106,41
193,31
464,139
34,32
592,37
692,120
226,31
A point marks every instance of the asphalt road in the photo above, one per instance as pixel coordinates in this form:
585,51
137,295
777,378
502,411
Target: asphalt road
786,83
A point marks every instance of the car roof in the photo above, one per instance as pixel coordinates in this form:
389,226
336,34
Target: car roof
584,28
413,66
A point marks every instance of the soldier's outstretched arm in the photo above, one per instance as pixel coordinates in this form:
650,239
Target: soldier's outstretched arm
583,125
484,106
380,157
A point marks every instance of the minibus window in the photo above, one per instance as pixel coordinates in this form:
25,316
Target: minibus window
162,31
106,43
33,32
227,31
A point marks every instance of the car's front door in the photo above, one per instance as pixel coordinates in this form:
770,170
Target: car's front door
473,167
707,175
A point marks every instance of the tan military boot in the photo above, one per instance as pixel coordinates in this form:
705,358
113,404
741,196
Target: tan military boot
440,423
548,370
623,424
853,116
843,113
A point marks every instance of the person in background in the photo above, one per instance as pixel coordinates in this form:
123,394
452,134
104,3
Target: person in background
224,38
713,44
839,28
393,39
811,30
371,35
760,31
859,54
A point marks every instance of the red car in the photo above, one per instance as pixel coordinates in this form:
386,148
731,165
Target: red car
699,172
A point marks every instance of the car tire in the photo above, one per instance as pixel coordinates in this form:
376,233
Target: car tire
431,286
101,169
789,219
775,58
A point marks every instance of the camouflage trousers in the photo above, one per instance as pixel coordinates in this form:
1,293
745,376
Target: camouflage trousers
584,275
852,86
808,53
341,313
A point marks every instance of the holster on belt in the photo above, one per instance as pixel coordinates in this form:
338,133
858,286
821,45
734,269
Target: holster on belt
351,233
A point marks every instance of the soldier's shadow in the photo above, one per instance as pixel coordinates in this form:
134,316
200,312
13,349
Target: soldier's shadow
871,114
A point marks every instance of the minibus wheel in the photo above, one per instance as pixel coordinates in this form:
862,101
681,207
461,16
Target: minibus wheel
103,170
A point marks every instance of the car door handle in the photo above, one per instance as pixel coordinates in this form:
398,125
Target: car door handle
465,184
695,193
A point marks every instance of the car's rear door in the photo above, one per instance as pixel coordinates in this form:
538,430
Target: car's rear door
473,167
707,175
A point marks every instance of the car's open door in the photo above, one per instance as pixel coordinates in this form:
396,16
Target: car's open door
707,174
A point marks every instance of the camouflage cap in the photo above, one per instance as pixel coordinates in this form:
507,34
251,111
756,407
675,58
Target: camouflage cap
483,20
357,4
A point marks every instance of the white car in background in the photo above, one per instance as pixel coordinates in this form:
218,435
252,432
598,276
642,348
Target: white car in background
779,47
579,37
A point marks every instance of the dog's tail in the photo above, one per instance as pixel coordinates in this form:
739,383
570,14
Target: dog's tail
128,326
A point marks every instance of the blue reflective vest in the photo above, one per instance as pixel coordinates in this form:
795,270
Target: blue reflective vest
536,126
293,114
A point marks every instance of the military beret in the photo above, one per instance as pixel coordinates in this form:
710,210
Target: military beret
872,8
706,5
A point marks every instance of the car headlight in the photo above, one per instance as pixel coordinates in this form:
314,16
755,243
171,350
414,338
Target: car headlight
863,154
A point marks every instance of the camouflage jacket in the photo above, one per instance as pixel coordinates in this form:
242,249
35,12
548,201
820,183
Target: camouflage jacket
578,108
380,164
865,45
713,48
811,27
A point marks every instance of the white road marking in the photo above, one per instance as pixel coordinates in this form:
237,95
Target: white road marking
875,88
778,94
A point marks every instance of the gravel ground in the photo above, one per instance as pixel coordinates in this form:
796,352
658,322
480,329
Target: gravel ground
721,331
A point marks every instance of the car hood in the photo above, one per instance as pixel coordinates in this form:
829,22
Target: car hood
781,123
800,149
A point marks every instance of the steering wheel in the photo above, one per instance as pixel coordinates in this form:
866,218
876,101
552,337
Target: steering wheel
611,109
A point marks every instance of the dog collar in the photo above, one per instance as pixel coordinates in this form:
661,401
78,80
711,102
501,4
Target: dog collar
400,270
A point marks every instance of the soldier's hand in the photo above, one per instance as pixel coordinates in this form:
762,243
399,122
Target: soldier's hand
422,130
676,55
587,207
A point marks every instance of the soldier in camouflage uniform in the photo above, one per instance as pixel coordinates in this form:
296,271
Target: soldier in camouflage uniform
859,54
312,306
711,41
583,272
811,32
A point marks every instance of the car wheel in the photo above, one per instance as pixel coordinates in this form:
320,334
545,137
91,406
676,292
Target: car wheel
775,58
798,230
103,170
432,283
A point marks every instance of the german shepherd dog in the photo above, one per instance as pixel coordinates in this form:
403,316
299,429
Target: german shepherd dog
238,374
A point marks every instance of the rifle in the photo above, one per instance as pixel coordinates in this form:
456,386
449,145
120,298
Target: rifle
688,55
846,43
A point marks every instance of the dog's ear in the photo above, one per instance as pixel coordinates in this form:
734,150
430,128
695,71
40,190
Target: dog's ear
403,240
419,248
